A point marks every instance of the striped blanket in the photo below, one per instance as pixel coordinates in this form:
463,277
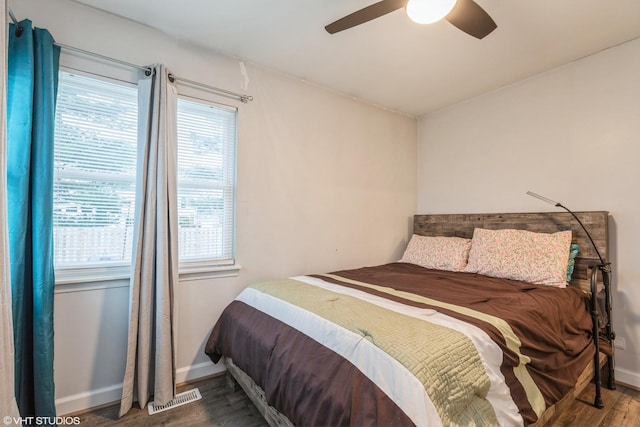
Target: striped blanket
402,345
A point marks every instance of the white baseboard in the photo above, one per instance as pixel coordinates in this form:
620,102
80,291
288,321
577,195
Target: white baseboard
200,370
85,400
628,377
88,399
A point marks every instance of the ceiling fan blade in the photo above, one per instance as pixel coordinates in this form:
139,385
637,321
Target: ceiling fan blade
367,14
469,17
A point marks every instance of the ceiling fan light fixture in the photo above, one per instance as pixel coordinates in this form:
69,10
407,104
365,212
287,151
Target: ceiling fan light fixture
428,11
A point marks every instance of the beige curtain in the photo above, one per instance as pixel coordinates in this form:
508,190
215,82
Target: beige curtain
150,368
8,405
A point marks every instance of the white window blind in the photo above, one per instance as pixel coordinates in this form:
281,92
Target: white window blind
94,172
206,181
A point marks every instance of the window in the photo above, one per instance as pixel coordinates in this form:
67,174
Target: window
206,181
95,150
94,172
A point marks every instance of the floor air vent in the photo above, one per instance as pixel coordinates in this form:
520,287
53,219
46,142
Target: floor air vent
180,399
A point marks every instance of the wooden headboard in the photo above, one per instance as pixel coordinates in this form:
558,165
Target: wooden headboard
462,225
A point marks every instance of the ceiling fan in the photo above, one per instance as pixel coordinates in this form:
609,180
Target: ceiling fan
467,15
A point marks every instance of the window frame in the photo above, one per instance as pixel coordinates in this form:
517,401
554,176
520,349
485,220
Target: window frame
105,271
212,266
113,275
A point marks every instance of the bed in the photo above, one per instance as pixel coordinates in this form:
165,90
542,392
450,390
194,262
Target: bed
410,344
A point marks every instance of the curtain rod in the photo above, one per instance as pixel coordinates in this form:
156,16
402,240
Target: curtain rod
243,98
15,22
13,17
147,70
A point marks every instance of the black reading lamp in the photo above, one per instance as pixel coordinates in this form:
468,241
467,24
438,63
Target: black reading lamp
605,269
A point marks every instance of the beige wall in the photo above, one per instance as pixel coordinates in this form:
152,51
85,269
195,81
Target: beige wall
571,134
325,182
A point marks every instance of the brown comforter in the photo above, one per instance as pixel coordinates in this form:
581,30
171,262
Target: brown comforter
544,335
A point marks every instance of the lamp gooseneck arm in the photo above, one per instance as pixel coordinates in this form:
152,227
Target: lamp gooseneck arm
602,261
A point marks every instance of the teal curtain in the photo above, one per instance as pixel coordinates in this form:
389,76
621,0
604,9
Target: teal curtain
33,63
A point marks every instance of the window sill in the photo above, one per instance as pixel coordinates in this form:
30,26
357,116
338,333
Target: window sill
85,279
201,271
79,276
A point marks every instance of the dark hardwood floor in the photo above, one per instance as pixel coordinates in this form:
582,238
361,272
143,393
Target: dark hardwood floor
621,409
221,407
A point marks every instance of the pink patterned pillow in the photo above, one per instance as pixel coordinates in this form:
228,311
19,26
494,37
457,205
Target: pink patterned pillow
538,258
440,253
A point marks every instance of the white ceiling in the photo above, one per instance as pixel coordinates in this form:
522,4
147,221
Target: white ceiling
391,61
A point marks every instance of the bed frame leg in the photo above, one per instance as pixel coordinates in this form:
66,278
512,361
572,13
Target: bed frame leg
231,382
